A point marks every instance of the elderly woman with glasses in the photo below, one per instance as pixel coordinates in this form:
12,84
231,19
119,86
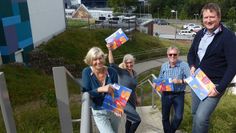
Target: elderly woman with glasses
96,80
127,77
176,70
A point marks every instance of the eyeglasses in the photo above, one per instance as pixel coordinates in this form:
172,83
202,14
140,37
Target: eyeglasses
172,54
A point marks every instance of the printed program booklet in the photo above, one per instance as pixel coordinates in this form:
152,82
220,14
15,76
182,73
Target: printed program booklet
117,39
117,101
200,84
163,84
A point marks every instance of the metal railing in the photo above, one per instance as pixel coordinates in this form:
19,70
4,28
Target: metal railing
60,81
6,108
148,80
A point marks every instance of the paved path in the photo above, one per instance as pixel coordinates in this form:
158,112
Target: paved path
145,66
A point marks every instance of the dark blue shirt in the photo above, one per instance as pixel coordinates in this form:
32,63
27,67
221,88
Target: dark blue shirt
125,79
218,62
91,84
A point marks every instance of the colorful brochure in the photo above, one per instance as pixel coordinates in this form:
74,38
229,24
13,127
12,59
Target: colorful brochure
117,39
117,101
163,85
200,84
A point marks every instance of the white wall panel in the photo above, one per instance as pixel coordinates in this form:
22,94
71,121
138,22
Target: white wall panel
47,19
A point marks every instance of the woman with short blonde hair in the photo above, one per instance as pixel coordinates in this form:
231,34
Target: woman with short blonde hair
97,79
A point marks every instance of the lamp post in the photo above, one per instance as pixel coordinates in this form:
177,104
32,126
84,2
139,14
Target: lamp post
196,16
176,14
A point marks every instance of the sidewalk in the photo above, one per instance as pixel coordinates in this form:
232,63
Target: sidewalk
147,65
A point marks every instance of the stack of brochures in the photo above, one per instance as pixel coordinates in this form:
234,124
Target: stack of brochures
116,102
200,84
117,39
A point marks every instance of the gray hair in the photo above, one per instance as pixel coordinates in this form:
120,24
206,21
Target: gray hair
173,47
94,53
128,57
212,7
125,58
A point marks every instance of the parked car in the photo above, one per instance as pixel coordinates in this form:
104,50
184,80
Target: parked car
186,26
187,33
161,22
195,28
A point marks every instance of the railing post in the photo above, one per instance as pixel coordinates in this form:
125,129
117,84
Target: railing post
60,83
85,114
6,106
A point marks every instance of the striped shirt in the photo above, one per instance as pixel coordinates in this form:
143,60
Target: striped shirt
180,71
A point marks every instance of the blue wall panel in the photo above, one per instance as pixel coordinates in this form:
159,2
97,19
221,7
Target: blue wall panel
7,21
15,29
23,26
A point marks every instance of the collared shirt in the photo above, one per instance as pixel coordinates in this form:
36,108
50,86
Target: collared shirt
91,84
180,71
206,41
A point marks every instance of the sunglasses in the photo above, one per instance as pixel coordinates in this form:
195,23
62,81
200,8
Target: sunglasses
172,54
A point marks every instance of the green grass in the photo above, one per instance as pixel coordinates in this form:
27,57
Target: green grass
73,45
33,100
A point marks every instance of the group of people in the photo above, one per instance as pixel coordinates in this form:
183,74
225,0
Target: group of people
213,50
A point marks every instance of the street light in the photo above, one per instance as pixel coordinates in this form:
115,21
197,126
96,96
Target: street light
176,14
196,16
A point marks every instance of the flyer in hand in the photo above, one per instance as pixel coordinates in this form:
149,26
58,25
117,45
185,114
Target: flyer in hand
163,85
117,39
117,101
200,84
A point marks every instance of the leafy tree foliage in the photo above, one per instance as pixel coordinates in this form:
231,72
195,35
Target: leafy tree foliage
122,5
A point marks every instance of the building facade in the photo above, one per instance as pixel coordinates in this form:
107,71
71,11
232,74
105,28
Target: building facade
24,24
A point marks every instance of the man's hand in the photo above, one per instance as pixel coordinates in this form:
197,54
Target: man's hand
213,93
192,70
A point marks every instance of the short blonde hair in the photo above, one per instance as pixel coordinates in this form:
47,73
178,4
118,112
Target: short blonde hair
212,7
94,53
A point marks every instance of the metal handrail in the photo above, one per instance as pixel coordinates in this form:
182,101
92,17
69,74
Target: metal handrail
145,80
60,81
5,104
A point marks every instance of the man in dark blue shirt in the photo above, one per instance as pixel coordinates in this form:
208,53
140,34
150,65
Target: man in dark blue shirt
214,51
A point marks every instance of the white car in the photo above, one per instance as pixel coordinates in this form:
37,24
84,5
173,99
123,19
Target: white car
195,28
187,33
186,26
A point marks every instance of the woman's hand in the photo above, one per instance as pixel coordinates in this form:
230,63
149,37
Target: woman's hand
118,114
106,88
109,47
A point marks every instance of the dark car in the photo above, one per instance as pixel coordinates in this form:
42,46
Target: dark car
161,22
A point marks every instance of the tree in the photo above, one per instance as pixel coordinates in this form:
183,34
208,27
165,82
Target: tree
122,5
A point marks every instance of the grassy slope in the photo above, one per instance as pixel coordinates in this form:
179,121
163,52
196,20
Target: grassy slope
74,44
